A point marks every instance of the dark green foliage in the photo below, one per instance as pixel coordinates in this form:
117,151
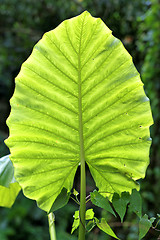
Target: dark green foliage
144,225
100,201
149,48
136,203
120,203
24,221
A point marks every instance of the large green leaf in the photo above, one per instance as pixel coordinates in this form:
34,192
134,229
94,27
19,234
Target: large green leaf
9,188
78,94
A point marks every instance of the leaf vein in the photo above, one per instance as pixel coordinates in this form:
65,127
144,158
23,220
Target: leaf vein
70,39
108,135
128,159
59,69
61,51
102,176
93,32
104,109
120,145
103,79
55,181
50,170
50,99
46,130
62,183
36,110
44,143
98,67
102,125
47,80
96,100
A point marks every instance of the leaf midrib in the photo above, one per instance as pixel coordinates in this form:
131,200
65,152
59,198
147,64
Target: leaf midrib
82,158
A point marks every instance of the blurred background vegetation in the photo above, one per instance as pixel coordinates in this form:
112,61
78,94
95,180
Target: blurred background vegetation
137,24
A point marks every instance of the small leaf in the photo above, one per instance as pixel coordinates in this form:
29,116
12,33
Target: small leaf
103,225
61,200
90,225
89,214
120,203
76,214
8,195
9,188
75,193
6,171
144,226
152,219
100,201
75,224
136,203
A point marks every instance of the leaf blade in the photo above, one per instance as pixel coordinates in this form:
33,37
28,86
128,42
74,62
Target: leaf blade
136,203
101,201
8,194
120,203
6,171
78,63
103,225
9,188
144,226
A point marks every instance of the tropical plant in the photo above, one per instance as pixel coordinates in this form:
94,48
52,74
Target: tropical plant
79,100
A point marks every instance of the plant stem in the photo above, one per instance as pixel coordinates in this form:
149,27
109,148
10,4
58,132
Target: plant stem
52,231
75,200
82,212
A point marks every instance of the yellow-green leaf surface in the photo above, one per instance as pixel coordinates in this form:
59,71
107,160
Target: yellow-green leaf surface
78,94
8,194
89,216
103,225
9,188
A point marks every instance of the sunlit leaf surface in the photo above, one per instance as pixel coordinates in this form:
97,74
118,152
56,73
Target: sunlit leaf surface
78,83
103,225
